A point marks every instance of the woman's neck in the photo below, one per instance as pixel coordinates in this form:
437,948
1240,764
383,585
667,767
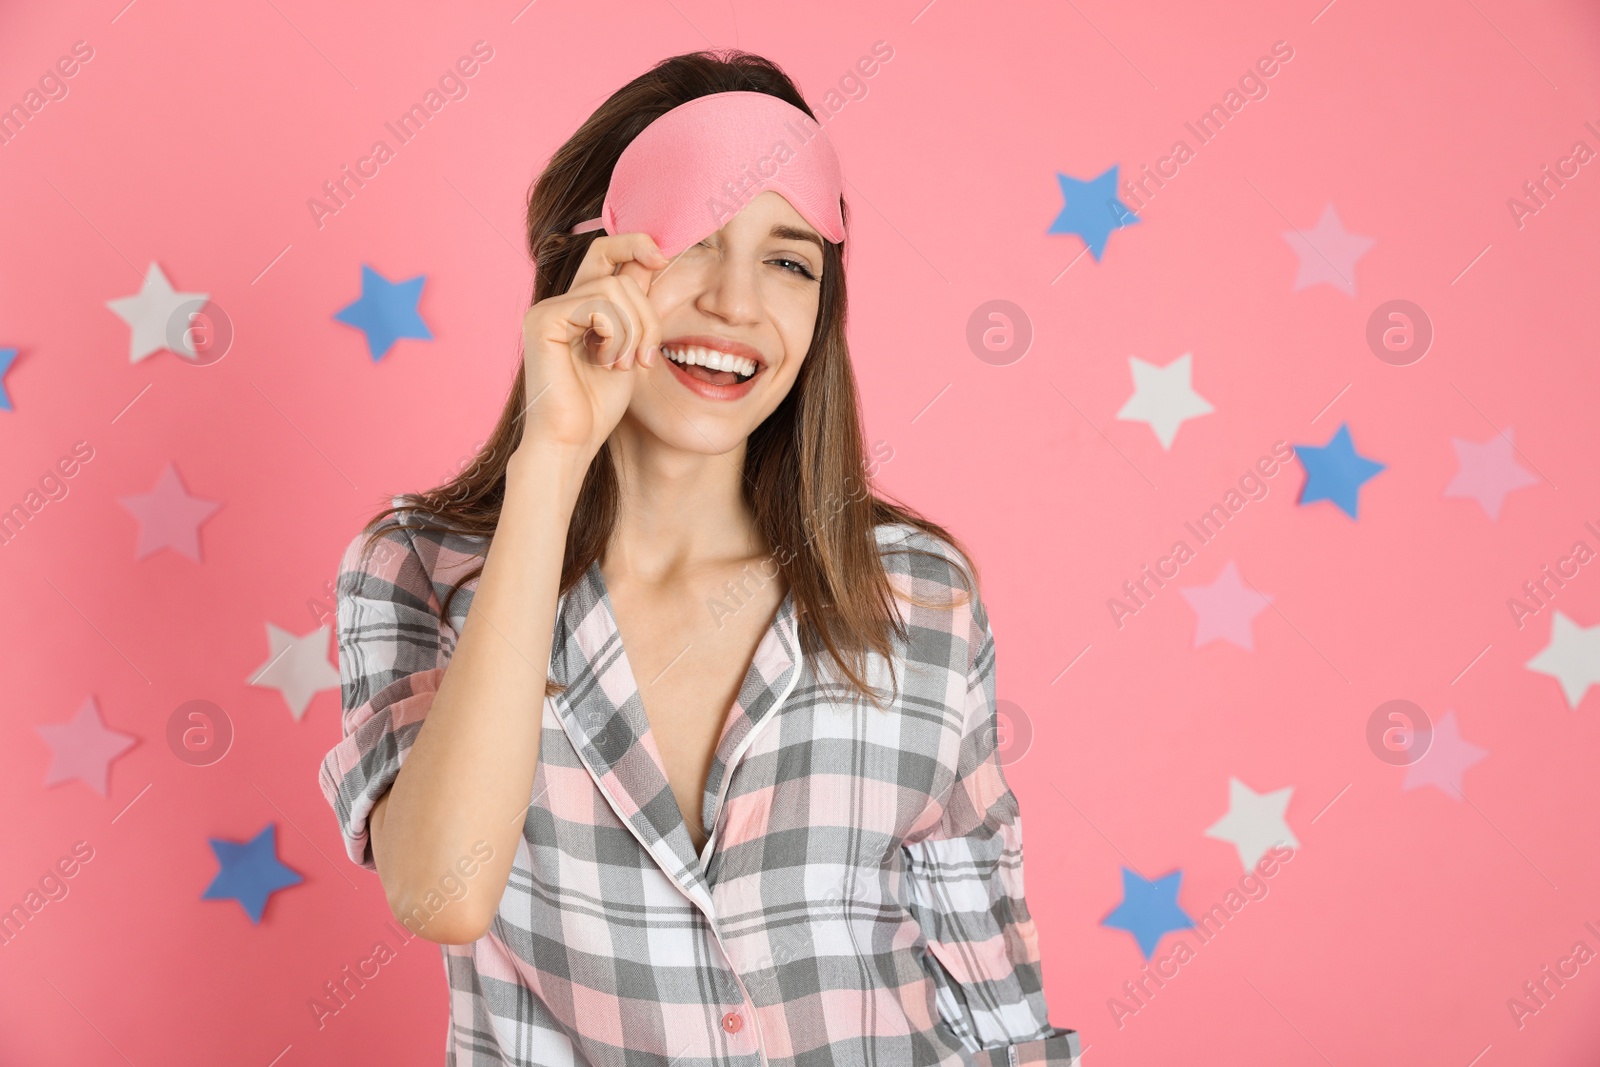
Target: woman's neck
680,513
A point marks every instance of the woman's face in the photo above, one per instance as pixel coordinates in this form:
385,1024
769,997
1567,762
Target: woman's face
751,289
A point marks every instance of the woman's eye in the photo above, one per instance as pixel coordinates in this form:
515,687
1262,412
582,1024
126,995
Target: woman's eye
801,268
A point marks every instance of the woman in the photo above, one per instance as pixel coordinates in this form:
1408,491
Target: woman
758,816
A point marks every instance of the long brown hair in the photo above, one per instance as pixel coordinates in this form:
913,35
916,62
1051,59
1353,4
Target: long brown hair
805,474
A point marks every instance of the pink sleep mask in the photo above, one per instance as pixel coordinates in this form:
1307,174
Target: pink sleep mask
692,169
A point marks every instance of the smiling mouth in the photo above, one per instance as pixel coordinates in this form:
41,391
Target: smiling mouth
711,366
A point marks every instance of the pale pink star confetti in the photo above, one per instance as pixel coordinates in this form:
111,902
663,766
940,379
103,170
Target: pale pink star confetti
1487,471
1328,253
169,517
83,748
1225,609
1447,758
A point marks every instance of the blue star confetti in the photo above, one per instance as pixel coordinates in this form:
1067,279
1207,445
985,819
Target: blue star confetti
386,312
250,872
1091,210
8,356
1149,909
1335,471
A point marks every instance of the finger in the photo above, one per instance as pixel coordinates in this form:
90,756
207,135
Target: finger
614,303
600,321
625,310
639,274
607,253
589,325
647,344
600,338
646,268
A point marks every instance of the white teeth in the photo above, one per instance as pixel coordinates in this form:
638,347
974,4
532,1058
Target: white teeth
711,359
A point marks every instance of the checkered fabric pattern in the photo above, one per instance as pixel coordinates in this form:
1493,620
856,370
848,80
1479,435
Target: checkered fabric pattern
859,900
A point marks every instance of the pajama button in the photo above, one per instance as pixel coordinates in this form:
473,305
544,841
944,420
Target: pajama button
731,1022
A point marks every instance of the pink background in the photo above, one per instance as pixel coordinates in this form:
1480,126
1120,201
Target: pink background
195,137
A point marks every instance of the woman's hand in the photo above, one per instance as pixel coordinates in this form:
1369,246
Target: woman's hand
580,348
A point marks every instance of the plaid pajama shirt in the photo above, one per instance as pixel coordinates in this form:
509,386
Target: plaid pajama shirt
860,897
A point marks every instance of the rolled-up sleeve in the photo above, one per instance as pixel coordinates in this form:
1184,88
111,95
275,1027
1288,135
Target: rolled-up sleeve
965,888
389,670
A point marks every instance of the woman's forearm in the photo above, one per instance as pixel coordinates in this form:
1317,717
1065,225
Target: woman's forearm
467,779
